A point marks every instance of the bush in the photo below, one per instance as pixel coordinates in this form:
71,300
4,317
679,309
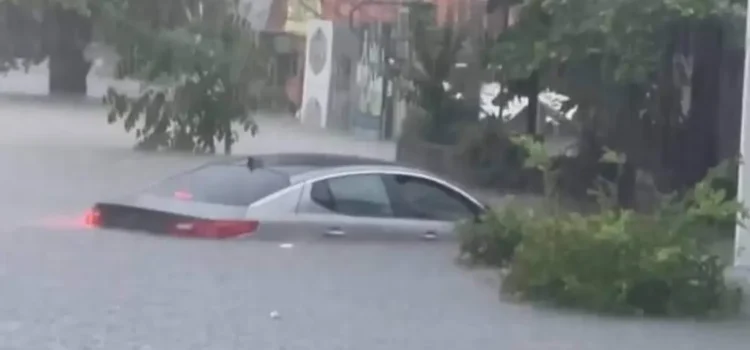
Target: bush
492,240
621,261
617,262
614,260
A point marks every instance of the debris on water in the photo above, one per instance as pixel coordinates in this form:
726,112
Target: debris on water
286,245
275,315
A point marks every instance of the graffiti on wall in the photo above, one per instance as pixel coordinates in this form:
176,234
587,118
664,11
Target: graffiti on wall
370,75
372,83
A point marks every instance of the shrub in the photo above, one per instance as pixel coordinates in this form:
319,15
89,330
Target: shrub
492,240
613,260
620,261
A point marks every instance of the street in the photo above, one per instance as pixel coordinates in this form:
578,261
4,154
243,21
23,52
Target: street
66,288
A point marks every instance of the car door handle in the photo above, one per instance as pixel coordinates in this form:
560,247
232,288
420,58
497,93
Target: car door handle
429,235
335,232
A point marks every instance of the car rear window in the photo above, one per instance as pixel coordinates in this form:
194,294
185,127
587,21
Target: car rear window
223,184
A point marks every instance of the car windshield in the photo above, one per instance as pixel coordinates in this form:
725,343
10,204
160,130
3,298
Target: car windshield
222,184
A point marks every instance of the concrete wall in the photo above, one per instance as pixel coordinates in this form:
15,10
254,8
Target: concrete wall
343,99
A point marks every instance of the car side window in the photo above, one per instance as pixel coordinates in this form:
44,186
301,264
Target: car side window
421,198
354,195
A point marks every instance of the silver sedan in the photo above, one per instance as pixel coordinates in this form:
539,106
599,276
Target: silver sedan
292,197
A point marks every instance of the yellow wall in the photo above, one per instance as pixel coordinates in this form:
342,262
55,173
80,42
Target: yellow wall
298,14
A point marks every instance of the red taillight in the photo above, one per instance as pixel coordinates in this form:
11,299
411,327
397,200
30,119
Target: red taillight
92,218
183,195
214,228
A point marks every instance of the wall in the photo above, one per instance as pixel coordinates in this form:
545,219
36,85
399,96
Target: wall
343,100
446,11
318,66
339,10
298,13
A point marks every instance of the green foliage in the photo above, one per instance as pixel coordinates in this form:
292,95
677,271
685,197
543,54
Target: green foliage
624,64
617,261
609,56
705,210
20,37
198,59
539,159
613,260
626,38
492,240
606,191
23,31
201,70
620,261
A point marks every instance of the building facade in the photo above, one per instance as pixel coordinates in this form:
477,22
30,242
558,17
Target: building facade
362,94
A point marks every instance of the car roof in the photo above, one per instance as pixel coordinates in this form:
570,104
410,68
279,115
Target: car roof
315,160
342,170
305,166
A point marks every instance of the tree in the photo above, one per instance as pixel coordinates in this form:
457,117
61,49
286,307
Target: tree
58,30
617,61
202,65
67,33
431,76
199,60
20,33
436,52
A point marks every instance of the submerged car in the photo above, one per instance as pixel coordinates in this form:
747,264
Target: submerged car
295,196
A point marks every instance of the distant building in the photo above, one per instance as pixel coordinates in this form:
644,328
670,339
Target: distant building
363,86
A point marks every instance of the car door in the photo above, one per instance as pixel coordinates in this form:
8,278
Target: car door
428,208
353,206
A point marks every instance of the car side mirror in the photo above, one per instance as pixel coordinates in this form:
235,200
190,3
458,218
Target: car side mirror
485,206
479,214
478,218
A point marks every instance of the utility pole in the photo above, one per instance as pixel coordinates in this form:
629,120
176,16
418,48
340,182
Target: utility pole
742,233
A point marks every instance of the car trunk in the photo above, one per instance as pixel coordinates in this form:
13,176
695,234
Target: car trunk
173,217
